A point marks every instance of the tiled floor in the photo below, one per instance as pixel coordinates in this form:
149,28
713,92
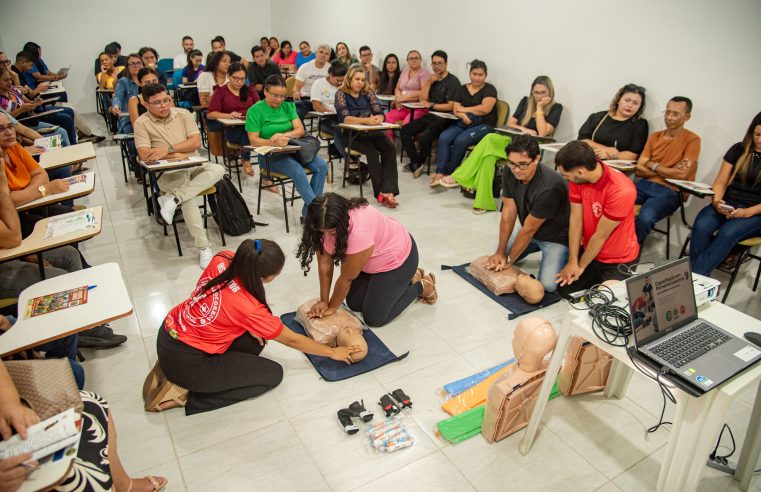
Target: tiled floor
289,439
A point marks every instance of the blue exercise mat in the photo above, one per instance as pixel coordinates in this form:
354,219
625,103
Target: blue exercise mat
456,387
513,302
331,370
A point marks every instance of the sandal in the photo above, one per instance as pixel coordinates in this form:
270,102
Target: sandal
386,201
158,483
479,211
433,296
449,182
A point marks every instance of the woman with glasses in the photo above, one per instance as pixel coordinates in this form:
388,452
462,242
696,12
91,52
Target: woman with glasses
274,122
231,101
618,132
126,88
537,114
407,90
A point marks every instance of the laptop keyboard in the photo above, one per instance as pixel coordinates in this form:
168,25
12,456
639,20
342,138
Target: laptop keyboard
690,344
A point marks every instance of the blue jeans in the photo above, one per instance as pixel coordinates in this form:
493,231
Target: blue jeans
554,258
60,131
238,135
454,142
714,236
658,202
64,119
308,189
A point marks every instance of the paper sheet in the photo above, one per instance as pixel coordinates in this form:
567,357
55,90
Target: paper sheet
65,224
49,143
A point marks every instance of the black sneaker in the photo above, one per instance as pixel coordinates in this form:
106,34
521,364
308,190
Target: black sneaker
91,138
100,337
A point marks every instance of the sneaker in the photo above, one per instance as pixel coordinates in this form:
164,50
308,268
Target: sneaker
91,138
168,205
100,337
205,257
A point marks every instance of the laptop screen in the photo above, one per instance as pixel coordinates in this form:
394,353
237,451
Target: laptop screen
661,300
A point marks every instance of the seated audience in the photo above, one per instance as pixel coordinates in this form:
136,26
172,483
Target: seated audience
305,54
126,88
285,57
305,77
476,110
735,211
150,59
97,465
538,113
438,93
379,274
274,45
264,42
356,104
165,132
323,97
28,135
38,72
372,73
273,121
344,55
411,81
232,100
215,75
211,343
6,62
619,132
136,106
181,60
193,67
218,45
389,75
260,69
670,153
109,73
477,171
602,220
537,197
115,50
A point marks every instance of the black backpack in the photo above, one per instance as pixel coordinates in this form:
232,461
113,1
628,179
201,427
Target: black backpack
230,210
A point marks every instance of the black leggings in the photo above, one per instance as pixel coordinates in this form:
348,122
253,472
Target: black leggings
381,160
217,380
381,297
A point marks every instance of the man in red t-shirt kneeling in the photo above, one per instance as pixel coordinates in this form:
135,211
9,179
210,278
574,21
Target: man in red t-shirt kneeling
602,220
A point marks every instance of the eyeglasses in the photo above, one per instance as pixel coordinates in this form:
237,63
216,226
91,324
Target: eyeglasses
522,166
5,62
277,96
410,58
5,128
162,102
135,64
238,79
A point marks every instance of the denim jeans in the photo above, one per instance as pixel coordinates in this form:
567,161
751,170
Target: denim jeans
714,236
554,258
64,119
308,189
59,131
238,135
454,142
658,202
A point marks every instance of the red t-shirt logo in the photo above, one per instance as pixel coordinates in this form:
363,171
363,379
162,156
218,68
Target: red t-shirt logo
597,209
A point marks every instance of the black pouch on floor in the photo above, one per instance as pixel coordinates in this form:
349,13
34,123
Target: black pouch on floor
230,210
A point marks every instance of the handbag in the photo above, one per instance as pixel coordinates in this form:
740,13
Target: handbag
310,146
47,386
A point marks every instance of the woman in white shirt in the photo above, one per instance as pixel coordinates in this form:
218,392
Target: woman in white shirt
214,75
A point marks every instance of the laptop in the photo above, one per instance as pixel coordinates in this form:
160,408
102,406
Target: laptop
667,329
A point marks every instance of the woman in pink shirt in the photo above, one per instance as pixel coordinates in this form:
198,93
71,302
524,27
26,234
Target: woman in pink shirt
285,57
379,274
408,89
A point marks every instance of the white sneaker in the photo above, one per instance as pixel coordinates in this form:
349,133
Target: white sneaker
205,257
168,205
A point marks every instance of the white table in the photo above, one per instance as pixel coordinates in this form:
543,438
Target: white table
108,301
697,421
552,147
76,190
66,156
53,89
232,121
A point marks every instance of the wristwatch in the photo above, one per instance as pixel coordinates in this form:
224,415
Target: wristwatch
43,191
171,149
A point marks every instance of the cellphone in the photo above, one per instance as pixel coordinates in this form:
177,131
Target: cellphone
726,208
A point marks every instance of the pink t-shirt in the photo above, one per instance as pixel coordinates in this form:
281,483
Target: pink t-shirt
414,83
288,60
367,227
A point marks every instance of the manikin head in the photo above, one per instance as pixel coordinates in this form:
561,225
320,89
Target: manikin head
534,338
529,288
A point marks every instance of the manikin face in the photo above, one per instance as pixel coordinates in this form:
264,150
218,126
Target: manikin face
629,104
149,59
358,81
7,132
159,105
676,115
188,45
342,51
439,65
477,77
392,65
274,96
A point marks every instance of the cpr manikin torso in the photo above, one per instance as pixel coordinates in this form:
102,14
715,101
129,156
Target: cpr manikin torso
340,329
511,279
512,396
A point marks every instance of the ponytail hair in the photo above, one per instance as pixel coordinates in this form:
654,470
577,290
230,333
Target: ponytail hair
254,260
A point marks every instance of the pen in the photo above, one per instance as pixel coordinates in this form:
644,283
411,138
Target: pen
91,287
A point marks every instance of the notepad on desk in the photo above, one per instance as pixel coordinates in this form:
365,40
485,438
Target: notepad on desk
621,164
49,143
266,149
66,224
696,186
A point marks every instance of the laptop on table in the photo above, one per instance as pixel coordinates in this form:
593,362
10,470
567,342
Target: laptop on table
668,332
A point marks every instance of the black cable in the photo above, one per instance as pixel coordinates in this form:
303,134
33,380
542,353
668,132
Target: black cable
610,323
665,393
723,459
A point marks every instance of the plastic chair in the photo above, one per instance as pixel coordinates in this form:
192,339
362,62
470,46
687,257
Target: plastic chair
166,65
289,83
277,180
747,245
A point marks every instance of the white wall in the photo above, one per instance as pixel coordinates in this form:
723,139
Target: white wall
73,32
702,49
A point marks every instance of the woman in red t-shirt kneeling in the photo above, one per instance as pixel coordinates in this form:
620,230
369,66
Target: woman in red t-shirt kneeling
211,343
378,257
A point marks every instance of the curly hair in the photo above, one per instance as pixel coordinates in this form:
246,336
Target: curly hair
327,211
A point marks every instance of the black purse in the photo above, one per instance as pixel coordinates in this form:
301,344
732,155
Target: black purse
310,146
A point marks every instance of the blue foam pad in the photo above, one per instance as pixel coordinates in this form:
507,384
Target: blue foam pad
513,302
331,370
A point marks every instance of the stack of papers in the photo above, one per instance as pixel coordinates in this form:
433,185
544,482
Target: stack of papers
66,224
46,437
49,143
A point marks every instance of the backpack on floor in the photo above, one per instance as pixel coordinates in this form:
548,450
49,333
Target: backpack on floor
230,210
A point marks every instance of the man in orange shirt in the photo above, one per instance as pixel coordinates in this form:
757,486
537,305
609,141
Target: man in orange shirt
670,153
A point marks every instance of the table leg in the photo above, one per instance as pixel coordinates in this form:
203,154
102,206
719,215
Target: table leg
41,265
751,446
550,377
618,380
